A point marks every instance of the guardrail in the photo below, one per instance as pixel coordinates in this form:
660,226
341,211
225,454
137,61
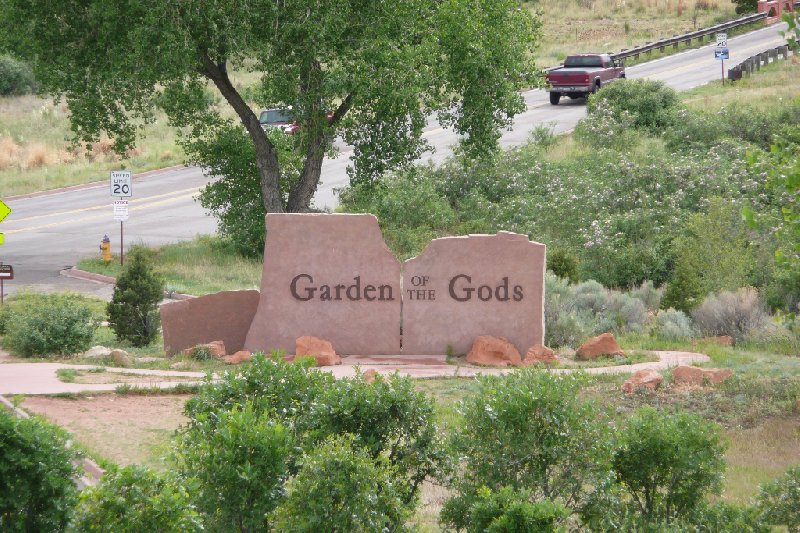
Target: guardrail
699,35
753,63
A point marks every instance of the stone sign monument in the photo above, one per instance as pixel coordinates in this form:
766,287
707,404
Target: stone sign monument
333,277
462,287
329,276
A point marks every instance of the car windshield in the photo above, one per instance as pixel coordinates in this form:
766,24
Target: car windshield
274,116
584,61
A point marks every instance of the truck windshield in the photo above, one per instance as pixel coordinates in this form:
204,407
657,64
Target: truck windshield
584,61
274,116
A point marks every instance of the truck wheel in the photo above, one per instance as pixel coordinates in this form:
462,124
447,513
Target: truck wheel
595,87
554,98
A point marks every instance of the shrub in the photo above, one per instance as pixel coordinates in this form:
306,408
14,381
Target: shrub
389,418
201,353
714,254
563,264
605,126
779,501
529,431
673,325
668,464
135,499
16,77
746,6
651,104
509,511
236,464
36,488
133,310
649,295
736,314
61,324
564,325
340,487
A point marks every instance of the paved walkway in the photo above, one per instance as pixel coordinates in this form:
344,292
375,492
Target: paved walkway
41,378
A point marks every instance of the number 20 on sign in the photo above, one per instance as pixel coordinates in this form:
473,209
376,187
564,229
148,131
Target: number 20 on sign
121,183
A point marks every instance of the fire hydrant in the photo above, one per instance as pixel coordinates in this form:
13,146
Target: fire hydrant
105,247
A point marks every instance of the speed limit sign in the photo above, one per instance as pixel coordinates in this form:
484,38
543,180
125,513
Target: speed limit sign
121,183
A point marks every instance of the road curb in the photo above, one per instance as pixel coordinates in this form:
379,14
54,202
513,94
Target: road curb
91,185
109,280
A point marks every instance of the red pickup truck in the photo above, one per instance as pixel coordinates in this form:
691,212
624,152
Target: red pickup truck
583,74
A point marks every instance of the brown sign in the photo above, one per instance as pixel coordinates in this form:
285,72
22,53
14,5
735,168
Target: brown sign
6,272
462,287
328,276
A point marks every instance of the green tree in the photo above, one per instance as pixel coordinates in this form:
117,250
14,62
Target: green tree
341,488
133,309
380,68
36,488
529,431
135,499
714,254
669,464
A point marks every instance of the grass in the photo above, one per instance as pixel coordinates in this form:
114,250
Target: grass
67,375
571,26
36,155
202,266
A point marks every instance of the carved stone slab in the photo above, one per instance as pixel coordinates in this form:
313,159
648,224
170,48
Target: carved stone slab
328,276
463,287
223,316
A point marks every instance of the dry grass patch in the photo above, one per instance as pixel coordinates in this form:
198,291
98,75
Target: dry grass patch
122,429
758,455
571,26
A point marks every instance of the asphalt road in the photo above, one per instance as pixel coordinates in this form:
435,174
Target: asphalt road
47,232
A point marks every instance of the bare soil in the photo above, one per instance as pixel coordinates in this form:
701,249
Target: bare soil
122,429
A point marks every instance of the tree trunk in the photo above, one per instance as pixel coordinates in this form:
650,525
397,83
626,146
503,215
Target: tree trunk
266,155
302,192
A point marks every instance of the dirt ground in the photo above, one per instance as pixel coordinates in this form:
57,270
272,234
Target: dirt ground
124,429
117,377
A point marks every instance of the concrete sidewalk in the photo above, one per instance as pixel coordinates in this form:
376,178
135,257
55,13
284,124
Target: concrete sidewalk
41,378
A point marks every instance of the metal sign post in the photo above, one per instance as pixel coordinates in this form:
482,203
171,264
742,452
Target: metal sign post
721,52
122,187
6,273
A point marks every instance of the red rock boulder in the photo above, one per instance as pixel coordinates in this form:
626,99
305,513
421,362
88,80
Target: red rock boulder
370,375
493,351
604,344
241,356
692,375
643,379
320,349
539,353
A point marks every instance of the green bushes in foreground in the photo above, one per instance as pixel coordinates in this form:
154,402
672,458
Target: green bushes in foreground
48,324
36,488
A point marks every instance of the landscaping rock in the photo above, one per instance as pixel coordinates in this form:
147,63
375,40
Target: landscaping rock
539,353
604,344
643,379
692,375
320,349
370,375
242,356
121,357
493,351
97,352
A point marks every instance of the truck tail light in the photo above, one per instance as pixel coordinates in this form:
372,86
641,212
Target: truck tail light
586,79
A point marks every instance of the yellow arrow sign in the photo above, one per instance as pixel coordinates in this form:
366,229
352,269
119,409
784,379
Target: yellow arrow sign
4,212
